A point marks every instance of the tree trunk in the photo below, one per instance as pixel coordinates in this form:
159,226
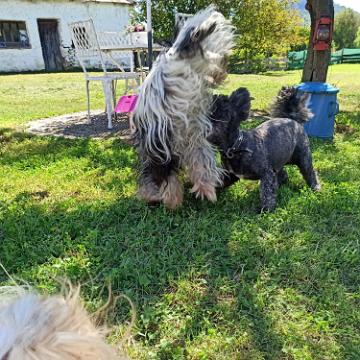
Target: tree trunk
317,62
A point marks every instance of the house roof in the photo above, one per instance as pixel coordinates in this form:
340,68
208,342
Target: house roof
125,2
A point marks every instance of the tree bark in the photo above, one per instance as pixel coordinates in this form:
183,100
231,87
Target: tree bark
317,62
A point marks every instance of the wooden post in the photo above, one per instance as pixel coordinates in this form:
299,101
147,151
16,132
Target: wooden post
149,31
317,62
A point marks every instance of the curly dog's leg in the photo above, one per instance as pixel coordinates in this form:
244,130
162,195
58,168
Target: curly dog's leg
304,162
268,188
310,175
228,178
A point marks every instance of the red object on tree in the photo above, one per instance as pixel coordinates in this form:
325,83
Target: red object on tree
319,50
323,33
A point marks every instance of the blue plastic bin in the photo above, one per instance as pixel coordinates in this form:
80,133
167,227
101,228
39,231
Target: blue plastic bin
323,104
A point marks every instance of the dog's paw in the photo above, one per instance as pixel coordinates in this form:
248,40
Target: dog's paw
266,209
317,187
173,202
150,197
204,191
172,193
153,204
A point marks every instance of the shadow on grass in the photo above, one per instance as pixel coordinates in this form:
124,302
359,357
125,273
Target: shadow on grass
44,72
326,145
139,250
207,267
148,252
277,74
348,124
24,149
8,135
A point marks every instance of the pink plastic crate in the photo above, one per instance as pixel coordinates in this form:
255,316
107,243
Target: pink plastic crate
126,104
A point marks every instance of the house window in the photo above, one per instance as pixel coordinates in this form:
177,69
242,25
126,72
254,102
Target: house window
13,35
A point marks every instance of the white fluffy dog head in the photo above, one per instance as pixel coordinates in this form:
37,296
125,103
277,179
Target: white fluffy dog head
34,327
205,41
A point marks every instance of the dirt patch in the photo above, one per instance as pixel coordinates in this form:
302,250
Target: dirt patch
345,129
260,115
77,126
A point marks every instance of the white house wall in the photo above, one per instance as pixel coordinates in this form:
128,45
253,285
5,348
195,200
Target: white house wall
106,16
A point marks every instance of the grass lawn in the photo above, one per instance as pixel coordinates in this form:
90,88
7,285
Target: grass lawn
210,281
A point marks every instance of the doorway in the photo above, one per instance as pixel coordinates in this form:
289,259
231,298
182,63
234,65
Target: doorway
50,44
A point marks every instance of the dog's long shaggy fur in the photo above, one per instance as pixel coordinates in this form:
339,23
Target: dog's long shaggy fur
34,327
262,153
171,117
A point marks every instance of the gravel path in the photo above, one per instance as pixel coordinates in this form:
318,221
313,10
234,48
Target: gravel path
77,126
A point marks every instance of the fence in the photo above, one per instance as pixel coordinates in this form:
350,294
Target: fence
346,56
297,58
257,65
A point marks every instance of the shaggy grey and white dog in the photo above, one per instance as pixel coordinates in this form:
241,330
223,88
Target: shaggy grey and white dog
171,117
262,153
35,327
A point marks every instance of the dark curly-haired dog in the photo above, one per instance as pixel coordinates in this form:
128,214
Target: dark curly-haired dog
262,153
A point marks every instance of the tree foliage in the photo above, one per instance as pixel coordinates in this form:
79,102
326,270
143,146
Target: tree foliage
163,13
302,40
264,28
357,40
346,26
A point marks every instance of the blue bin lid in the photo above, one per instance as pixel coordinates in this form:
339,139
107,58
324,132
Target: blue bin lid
317,88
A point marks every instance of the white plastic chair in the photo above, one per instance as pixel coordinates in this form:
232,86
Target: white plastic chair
89,53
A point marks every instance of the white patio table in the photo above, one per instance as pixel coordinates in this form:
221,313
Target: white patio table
136,42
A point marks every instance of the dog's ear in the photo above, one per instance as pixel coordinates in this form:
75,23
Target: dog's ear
240,96
220,107
220,118
191,42
185,45
240,101
199,34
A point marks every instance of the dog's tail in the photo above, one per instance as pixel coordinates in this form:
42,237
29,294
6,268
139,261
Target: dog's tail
291,104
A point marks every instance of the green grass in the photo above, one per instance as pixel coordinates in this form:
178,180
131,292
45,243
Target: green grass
33,96
210,281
